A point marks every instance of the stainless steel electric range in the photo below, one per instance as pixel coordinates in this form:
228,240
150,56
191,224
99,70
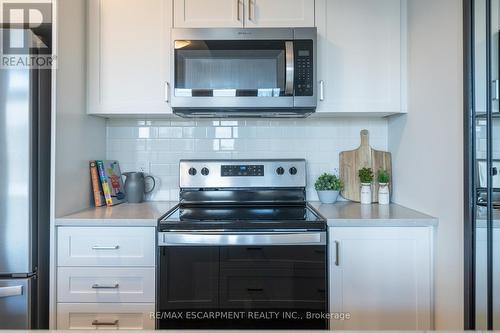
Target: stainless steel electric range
243,249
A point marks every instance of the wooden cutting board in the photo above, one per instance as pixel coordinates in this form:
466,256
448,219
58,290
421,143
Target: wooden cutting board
363,157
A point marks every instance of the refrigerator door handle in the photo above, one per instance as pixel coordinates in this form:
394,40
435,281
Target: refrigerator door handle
11,291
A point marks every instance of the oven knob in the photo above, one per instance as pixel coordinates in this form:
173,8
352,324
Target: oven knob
205,171
280,171
192,171
293,170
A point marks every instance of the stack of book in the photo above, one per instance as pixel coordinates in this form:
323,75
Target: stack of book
107,184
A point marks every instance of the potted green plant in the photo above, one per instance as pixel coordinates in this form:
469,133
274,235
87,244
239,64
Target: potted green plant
328,187
383,188
366,179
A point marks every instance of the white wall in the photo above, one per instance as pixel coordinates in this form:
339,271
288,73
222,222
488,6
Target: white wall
427,143
78,138
158,145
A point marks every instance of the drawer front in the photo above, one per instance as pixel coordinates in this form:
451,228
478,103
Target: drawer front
105,246
91,316
111,285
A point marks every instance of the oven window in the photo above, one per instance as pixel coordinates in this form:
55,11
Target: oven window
230,68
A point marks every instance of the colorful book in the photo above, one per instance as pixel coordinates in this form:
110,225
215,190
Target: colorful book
96,185
111,181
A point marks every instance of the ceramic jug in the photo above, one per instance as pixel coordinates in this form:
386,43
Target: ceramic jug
135,186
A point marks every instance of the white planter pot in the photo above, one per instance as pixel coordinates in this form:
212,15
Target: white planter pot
383,194
328,197
366,194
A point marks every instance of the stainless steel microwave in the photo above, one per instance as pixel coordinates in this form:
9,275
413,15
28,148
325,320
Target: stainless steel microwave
233,72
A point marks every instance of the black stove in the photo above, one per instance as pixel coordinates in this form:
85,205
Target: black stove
242,239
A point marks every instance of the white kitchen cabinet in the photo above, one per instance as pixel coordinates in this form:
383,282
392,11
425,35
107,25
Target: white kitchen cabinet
93,316
243,13
361,56
208,13
106,246
128,58
279,13
382,277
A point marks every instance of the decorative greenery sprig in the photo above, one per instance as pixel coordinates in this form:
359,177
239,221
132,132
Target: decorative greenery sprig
383,176
365,175
328,182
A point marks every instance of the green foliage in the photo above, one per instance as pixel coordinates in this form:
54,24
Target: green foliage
365,175
383,176
328,182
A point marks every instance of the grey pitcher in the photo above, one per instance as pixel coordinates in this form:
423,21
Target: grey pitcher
135,186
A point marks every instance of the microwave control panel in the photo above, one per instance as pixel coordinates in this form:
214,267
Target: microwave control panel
304,68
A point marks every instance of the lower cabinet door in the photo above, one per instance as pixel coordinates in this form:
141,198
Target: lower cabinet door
381,278
92,316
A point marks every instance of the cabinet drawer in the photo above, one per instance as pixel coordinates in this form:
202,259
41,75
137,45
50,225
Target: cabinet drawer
112,285
91,316
106,246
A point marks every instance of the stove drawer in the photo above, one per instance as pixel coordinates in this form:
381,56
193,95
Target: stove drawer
272,289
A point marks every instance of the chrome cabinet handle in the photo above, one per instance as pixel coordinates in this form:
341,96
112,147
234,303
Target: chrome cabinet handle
167,92
98,286
104,323
238,17
11,291
321,90
251,10
337,257
96,247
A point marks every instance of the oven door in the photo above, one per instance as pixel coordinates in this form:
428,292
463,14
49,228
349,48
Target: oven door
241,281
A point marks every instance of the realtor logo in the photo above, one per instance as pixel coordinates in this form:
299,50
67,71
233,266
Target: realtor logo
26,34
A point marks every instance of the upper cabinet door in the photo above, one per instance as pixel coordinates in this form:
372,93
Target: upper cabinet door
360,56
208,13
279,13
128,56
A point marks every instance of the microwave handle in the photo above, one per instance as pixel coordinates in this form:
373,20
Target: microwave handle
289,68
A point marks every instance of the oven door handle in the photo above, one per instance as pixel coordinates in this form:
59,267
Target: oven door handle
242,238
289,68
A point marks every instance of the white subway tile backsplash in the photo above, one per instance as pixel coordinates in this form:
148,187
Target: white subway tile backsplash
157,145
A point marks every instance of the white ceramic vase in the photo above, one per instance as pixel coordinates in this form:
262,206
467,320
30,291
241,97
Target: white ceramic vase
328,197
366,193
383,194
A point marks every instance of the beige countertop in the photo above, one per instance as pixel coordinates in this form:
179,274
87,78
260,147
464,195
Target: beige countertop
126,214
352,214
345,214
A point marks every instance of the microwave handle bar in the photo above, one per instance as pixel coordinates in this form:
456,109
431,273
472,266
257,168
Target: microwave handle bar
289,68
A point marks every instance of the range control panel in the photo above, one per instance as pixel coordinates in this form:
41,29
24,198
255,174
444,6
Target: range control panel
242,170
242,173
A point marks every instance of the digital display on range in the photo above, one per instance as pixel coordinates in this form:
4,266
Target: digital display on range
242,171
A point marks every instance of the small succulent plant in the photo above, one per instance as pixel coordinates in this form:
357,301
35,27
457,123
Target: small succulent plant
365,175
328,182
383,176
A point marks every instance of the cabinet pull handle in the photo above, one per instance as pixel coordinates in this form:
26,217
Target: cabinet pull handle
98,286
321,90
337,250
167,92
238,17
251,9
254,289
105,323
97,247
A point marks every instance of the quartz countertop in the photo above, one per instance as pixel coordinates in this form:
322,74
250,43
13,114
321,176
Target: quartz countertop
345,214
139,215
352,214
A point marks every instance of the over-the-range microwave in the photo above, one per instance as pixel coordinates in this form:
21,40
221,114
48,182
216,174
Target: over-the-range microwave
233,72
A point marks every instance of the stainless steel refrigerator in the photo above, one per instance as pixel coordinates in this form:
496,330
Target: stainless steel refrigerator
25,100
